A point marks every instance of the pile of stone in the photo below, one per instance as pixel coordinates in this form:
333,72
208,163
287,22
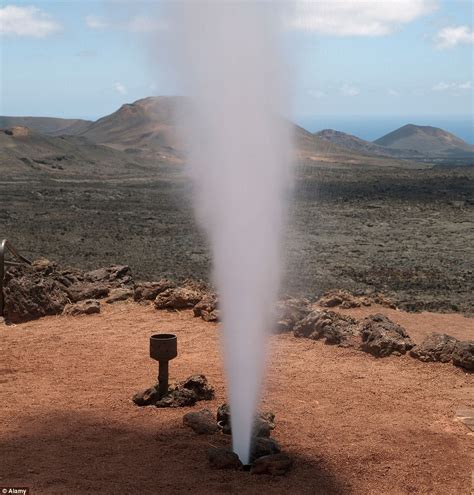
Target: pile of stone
44,288
183,394
381,337
344,299
443,348
265,457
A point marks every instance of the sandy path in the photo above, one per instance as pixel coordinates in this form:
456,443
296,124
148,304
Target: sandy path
355,424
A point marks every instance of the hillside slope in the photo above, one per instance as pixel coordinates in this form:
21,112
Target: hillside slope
359,145
25,153
428,140
47,125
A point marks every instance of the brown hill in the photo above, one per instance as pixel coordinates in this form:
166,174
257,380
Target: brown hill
47,125
354,143
428,140
26,153
147,125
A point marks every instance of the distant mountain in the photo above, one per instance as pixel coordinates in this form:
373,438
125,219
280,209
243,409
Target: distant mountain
152,129
147,125
359,145
430,141
24,152
47,125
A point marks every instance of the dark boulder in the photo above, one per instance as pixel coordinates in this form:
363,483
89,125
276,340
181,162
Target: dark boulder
79,291
148,397
435,347
30,294
463,355
335,328
341,298
119,294
206,308
147,291
264,446
201,422
87,307
178,298
382,337
177,398
289,312
274,464
200,386
112,276
222,458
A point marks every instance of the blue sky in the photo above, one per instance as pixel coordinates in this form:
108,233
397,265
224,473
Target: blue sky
371,58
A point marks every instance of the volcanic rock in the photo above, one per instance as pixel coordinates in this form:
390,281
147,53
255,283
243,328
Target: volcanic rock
206,308
28,294
223,413
463,355
79,291
202,422
342,298
334,327
222,458
147,291
44,266
87,307
178,298
200,386
112,276
119,294
275,465
264,446
289,312
382,337
435,347
178,398
264,422
148,397
262,428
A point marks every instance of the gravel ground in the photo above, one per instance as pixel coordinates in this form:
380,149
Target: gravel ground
354,424
408,233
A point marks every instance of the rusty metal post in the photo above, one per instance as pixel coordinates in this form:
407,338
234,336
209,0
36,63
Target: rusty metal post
163,348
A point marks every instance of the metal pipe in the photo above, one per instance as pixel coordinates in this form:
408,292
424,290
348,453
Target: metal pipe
163,377
163,348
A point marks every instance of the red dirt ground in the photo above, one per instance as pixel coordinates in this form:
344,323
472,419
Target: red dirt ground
354,424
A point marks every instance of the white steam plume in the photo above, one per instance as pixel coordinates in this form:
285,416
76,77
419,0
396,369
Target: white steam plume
239,162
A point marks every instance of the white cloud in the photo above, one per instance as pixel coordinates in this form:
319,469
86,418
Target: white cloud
451,36
357,17
120,88
95,22
441,86
316,93
444,86
26,21
393,92
349,90
136,24
466,85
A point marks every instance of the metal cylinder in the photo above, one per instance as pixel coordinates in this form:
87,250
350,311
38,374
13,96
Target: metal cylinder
163,348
